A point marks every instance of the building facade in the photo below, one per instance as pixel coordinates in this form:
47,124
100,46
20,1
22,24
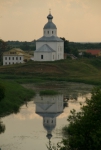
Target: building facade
49,47
15,56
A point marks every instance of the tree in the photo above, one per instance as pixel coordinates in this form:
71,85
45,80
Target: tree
84,129
66,45
2,127
2,92
3,47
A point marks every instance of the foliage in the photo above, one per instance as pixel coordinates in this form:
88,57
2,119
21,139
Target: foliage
48,92
26,46
15,96
88,55
2,127
70,49
66,45
3,47
2,92
84,130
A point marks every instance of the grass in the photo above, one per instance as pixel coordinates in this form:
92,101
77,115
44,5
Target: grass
15,96
80,70
48,92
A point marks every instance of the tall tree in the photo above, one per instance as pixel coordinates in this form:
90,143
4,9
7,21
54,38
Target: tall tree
66,45
3,47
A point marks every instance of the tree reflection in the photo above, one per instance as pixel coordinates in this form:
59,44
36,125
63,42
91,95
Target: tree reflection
2,127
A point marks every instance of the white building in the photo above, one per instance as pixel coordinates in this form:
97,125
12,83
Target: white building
15,56
49,47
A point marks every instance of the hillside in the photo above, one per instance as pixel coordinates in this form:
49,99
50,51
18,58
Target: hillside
79,70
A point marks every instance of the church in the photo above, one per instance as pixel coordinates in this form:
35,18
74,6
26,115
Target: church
49,47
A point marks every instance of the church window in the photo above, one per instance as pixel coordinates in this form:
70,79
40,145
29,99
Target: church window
41,56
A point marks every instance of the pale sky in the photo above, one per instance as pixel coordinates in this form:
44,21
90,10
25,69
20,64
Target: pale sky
76,20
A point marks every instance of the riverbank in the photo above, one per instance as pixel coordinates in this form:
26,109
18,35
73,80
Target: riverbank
86,71
15,96
80,70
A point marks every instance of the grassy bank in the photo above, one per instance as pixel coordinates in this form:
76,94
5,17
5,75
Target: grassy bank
15,96
48,92
79,70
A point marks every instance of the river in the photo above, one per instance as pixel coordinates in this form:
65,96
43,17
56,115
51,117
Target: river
41,120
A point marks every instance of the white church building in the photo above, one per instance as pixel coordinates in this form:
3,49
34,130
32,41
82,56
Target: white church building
49,47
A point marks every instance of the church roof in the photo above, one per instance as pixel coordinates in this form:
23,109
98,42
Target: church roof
50,25
49,39
45,48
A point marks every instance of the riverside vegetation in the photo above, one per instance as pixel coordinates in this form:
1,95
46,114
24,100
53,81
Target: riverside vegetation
15,96
84,130
80,70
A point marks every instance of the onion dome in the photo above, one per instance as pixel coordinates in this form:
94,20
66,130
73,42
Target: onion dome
49,136
50,24
49,16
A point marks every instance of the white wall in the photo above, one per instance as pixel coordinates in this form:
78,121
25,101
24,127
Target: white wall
7,60
60,50
56,105
57,46
49,32
46,56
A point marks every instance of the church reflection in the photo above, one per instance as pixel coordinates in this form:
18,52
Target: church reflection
50,107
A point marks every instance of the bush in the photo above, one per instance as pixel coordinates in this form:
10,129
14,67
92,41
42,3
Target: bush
48,92
2,92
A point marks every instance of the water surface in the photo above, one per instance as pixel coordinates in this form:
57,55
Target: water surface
39,121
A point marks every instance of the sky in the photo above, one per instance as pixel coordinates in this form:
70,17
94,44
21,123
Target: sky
76,20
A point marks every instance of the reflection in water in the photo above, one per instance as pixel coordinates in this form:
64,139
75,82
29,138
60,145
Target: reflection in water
2,127
25,129
49,108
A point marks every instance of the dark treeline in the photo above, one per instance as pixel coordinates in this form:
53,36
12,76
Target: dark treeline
67,45
23,45
85,45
